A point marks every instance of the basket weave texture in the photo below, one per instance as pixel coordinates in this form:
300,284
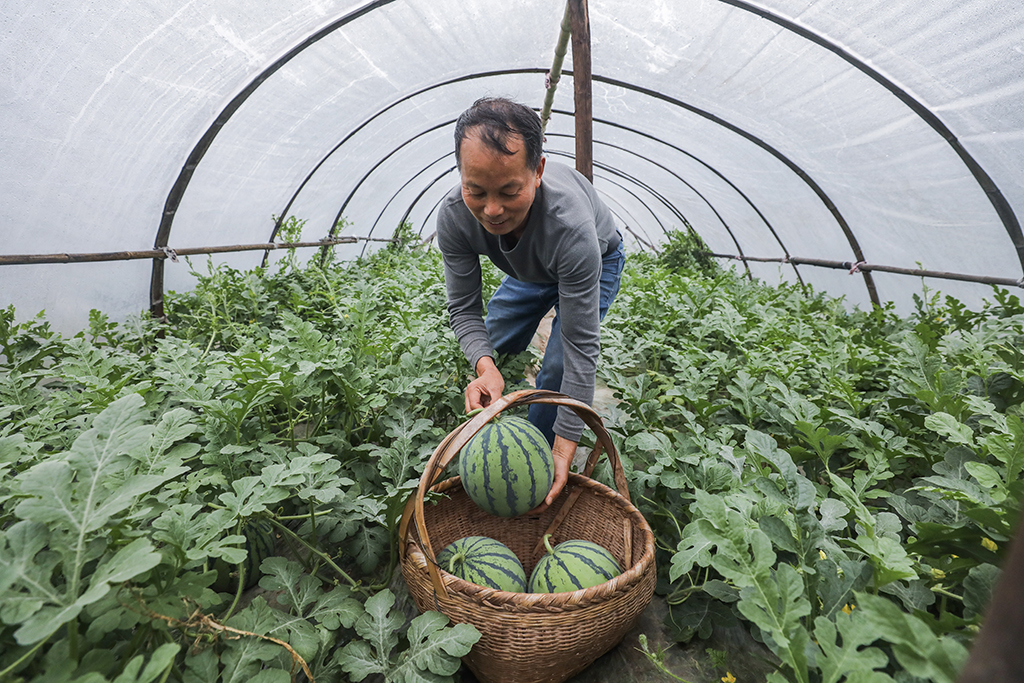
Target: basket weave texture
531,637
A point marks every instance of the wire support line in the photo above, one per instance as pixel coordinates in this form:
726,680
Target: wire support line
854,267
172,254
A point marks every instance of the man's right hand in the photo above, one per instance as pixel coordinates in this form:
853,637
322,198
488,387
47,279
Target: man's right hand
488,386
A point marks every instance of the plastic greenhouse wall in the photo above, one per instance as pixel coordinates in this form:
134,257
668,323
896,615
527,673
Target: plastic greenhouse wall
885,132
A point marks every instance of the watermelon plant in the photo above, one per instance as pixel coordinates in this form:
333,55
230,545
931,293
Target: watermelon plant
150,473
485,562
260,543
507,467
572,565
841,483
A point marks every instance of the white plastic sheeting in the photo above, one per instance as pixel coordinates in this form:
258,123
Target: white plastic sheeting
802,128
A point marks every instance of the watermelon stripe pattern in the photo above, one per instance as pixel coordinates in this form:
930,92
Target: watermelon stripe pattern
507,468
485,562
573,565
259,545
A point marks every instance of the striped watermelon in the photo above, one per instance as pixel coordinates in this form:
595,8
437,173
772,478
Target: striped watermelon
485,562
260,543
507,467
572,565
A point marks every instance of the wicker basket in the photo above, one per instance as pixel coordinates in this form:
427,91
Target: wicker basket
531,637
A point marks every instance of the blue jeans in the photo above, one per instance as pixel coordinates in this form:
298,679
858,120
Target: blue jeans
514,313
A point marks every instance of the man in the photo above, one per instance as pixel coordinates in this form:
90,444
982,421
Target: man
546,228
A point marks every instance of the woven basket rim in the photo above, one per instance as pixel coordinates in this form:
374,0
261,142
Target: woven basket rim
549,602
413,515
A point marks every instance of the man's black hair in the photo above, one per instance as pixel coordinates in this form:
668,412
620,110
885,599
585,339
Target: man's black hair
497,118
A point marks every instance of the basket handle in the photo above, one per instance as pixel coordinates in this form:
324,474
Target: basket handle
460,436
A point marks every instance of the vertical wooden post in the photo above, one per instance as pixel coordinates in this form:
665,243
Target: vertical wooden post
556,68
579,19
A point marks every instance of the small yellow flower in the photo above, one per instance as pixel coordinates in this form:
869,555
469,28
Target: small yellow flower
938,573
989,544
821,554
848,608
728,677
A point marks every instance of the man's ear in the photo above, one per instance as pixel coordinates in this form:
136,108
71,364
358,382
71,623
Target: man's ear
540,170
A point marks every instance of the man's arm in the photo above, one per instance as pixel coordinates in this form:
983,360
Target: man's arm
579,290
463,282
579,297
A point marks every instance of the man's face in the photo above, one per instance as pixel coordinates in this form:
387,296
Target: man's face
498,188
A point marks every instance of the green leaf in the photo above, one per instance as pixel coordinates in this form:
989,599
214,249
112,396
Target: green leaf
201,667
810,538
379,625
176,424
133,559
848,660
23,540
775,602
978,589
358,661
39,607
51,501
324,484
280,675
120,429
989,478
915,594
837,581
1010,453
832,513
369,545
248,656
296,589
948,426
336,609
413,675
45,622
799,490
746,562
850,497
699,537
779,533
252,495
916,647
656,442
162,658
722,591
434,648
888,558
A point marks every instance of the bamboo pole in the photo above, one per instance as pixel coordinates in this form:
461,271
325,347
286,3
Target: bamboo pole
555,74
862,267
582,76
30,259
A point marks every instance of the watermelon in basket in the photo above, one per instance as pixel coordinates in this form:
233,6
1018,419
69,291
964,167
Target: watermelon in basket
531,637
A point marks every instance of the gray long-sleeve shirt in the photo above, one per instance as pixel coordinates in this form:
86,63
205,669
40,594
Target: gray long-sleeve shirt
567,233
